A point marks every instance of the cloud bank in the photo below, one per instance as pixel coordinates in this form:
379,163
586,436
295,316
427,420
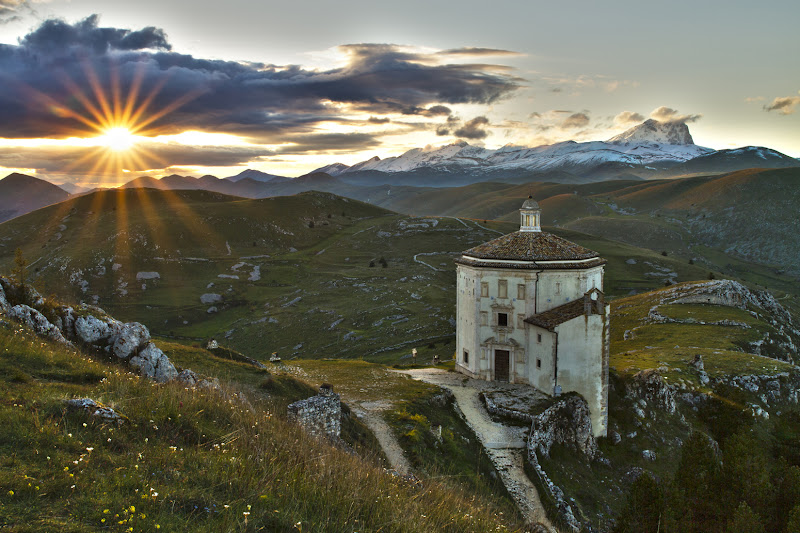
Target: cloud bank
59,74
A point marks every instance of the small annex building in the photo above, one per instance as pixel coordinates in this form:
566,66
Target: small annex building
530,309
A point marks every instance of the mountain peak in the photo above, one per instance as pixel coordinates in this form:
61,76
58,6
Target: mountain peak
651,130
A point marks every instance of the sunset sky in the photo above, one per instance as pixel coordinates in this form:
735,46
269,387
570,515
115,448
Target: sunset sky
101,92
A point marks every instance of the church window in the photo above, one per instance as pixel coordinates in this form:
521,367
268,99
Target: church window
502,319
539,337
484,289
502,289
484,318
520,292
466,357
538,363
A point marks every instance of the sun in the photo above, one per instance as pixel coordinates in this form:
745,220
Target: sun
118,139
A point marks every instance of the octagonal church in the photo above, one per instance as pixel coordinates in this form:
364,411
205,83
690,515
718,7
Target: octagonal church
530,309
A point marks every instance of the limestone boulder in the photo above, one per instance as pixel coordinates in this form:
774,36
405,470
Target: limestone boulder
4,306
211,298
37,322
152,363
92,330
129,339
65,321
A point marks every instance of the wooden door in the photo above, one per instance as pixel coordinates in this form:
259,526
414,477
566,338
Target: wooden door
501,358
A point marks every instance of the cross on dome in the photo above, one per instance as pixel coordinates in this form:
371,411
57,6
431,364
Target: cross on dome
530,214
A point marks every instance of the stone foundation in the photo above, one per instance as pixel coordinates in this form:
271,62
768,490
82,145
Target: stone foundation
320,415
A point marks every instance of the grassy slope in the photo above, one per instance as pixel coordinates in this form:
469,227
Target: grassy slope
188,460
600,489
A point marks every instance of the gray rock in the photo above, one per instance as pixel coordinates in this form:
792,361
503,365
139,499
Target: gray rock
37,322
210,298
189,377
152,363
93,330
4,305
146,360
129,338
141,276
95,409
212,309
614,437
165,370
649,455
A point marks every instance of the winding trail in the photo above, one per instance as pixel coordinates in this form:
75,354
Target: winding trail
504,445
371,413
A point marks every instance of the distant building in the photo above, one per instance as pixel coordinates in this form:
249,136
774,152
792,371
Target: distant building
530,309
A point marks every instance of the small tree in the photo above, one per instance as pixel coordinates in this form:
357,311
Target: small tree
744,520
20,270
372,263
383,262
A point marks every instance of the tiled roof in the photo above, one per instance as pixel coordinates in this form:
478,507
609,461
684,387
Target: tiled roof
531,246
597,261
558,315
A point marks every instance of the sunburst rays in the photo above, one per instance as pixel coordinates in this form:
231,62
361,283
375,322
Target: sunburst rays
118,117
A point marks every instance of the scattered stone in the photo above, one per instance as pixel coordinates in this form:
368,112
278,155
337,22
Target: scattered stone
614,437
211,298
212,309
143,276
649,455
631,261
95,409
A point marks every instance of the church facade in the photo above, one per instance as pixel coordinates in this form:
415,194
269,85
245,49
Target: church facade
530,309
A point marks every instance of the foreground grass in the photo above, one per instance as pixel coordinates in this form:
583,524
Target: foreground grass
187,460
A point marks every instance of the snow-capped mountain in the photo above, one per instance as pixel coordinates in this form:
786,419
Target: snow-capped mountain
644,144
653,131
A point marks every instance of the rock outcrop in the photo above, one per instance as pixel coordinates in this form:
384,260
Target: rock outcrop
568,423
37,322
648,386
127,341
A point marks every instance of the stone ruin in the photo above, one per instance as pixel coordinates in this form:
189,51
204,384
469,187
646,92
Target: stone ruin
320,415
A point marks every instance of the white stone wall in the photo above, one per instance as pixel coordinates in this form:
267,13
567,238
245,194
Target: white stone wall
580,364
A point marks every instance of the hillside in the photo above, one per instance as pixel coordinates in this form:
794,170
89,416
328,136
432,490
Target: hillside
20,194
194,265
208,458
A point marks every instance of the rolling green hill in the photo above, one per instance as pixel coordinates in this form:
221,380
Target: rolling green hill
301,276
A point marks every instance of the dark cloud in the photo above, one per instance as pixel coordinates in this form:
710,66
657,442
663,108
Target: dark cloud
475,52
437,110
442,131
628,117
575,120
379,120
46,85
57,37
785,105
666,114
473,129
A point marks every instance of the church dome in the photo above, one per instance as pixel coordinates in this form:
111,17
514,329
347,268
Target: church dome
530,203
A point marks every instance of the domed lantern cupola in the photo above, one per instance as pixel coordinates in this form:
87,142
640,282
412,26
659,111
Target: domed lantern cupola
529,216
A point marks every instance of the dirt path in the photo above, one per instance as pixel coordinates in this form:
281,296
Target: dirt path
504,445
372,415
